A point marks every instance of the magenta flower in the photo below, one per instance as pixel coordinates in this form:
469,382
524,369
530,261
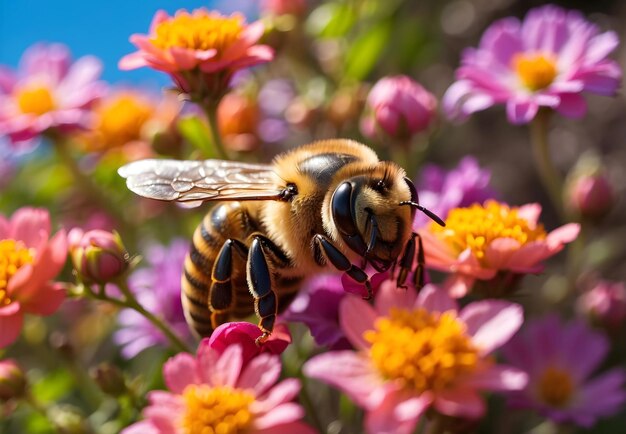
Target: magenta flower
157,289
560,359
547,60
441,190
605,304
48,92
398,107
29,260
215,392
419,351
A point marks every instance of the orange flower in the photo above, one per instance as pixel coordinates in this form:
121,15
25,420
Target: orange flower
200,50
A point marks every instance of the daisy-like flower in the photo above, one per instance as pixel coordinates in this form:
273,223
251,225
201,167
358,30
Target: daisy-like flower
29,259
218,393
547,60
48,92
560,358
199,50
419,351
492,242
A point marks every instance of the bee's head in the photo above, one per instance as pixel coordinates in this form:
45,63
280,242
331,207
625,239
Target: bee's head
370,214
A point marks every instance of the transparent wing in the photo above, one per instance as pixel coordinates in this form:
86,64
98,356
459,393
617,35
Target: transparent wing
187,181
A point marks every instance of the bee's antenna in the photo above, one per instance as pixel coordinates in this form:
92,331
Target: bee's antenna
429,213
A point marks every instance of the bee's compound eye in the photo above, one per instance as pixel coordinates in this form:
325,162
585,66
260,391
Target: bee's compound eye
412,189
379,186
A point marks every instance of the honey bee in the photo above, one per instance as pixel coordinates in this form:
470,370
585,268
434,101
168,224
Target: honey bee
323,205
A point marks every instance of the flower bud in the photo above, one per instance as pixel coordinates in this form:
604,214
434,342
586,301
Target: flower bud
12,380
109,378
398,107
98,256
605,303
589,192
238,118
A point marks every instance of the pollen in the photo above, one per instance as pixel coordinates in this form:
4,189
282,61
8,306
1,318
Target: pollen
556,387
535,71
424,351
13,256
121,120
201,30
475,227
35,99
216,410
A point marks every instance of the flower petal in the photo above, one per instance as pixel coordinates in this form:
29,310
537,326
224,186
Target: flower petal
181,371
435,299
283,392
491,323
282,414
11,320
397,414
260,374
389,295
498,378
356,317
460,403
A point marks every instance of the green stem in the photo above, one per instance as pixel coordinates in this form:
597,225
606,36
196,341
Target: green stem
131,302
550,176
211,113
309,407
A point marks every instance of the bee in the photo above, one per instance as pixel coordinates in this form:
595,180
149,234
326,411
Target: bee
325,205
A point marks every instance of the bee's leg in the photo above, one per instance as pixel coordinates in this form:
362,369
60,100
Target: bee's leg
221,299
260,283
418,277
406,261
333,255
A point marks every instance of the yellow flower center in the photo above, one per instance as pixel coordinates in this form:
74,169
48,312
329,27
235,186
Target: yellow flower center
216,410
423,350
13,256
121,119
477,226
201,30
35,99
556,387
536,71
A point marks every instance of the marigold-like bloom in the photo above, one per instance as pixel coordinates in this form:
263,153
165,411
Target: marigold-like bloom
48,91
547,60
560,359
480,241
200,50
419,351
398,107
218,393
29,259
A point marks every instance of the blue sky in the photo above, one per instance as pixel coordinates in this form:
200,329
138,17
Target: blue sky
100,28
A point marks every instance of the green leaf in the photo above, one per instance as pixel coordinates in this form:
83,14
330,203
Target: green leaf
331,20
366,51
197,132
53,386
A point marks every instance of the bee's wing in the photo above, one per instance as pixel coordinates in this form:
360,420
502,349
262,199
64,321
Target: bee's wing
187,181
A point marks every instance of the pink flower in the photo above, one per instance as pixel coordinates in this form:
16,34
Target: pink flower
398,107
560,359
419,351
215,390
12,380
29,259
245,334
605,304
48,92
98,256
481,241
591,195
200,50
547,60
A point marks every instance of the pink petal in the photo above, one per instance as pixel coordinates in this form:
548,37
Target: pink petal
435,299
499,252
563,235
5,228
284,413
184,58
389,295
491,323
48,299
30,225
11,319
498,378
349,372
572,105
356,317
225,372
458,285
159,17
397,414
289,428
180,371
521,112
460,403
468,264
438,254
248,37
261,373
283,392
530,212
144,427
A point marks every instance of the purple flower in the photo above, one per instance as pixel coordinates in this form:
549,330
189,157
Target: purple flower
440,191
317,306
560,359
547,60
157,288
48,92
